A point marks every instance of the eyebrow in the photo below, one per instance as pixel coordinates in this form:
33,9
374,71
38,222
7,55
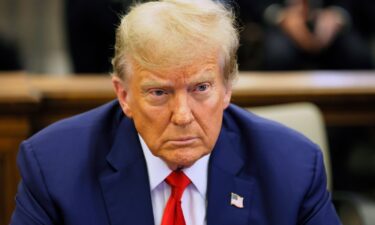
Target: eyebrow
202,76
206,75
154,83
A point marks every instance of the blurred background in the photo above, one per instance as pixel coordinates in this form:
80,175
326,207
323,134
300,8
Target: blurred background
64,38
76,36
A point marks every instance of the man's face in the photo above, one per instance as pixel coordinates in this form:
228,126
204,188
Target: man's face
178,112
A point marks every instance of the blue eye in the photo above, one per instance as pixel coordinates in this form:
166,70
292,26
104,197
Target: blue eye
158,92
202,87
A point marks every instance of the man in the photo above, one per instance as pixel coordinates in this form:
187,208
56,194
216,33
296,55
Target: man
172,150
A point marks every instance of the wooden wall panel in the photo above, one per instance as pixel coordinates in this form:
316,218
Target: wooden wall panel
12,131
17,102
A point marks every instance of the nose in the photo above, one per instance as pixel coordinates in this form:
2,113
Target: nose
181,110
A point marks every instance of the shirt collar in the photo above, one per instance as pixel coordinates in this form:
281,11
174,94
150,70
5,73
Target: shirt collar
158,170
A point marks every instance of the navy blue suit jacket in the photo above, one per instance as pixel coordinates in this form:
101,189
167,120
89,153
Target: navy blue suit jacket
90,169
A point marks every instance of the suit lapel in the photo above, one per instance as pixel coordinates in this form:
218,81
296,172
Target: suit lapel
124,182
223,179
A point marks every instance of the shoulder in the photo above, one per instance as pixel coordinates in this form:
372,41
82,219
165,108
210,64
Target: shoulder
71,146
248,124
285,166
269,144
94,122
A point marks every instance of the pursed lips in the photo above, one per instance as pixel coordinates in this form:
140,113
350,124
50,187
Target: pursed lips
182,141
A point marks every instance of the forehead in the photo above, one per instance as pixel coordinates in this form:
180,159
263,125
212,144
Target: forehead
203,69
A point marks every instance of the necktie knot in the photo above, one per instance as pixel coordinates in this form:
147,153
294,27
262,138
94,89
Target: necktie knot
178,182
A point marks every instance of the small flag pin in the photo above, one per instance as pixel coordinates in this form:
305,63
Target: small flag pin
236,200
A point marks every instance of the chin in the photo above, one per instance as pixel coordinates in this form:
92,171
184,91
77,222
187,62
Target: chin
183,157
179,162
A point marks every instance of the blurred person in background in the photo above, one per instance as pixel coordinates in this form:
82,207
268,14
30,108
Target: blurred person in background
9,58
91,32
307,34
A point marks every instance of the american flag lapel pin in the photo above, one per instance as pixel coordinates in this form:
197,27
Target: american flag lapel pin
236,200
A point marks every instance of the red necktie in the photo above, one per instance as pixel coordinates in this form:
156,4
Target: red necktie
173,212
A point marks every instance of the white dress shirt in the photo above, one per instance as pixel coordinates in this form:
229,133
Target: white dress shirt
194,197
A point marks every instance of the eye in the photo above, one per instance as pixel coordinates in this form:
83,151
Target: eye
202,87
158,92
156,96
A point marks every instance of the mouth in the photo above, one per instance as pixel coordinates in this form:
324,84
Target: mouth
183,141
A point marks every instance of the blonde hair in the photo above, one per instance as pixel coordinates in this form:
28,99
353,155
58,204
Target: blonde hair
174,33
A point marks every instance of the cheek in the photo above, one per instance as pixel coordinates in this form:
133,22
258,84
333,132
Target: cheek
142,112
209,117
215,104
150,122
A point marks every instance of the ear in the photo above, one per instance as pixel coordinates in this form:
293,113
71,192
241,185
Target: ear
122,95
227,95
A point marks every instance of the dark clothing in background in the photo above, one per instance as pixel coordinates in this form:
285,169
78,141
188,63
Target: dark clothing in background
254,9
364,17
9,58
348,50
91,32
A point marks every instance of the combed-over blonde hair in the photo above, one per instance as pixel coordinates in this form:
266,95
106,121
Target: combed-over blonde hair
173,33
